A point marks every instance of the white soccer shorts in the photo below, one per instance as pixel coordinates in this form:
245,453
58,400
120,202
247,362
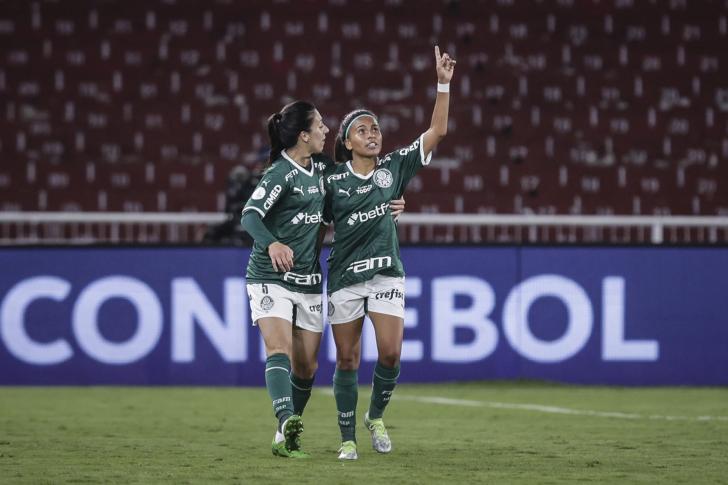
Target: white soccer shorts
305,310
381,294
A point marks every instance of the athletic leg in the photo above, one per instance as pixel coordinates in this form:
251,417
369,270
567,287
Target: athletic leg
277,337
347,337
389,331
304,362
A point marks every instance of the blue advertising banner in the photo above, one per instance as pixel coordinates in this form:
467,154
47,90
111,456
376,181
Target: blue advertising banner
180,316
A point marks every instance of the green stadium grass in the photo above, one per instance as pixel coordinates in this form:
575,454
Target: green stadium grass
223,435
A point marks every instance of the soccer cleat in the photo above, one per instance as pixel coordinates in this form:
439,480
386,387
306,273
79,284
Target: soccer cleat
348,451
380,439
279,449
292,429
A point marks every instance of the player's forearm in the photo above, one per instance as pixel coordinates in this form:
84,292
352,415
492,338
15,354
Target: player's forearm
253,225
438,124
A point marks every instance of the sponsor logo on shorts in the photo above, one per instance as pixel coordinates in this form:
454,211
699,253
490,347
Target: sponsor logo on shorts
331,309
383,178
302,279
266,303
362,216
304,218
272,197
390,295
371,263
316,308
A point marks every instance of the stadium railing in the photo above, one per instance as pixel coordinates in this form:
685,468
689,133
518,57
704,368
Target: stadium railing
67,228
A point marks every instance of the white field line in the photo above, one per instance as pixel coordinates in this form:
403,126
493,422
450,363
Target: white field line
540,408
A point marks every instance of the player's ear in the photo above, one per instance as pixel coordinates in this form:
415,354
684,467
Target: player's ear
347,144
304,136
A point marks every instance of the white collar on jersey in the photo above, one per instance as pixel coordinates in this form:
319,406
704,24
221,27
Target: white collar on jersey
363,177
308,171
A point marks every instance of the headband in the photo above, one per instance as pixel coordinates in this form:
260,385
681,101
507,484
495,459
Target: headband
348,125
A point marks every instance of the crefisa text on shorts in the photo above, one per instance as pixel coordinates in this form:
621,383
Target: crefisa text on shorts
172,325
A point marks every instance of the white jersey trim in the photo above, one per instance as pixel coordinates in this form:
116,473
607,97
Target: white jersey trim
425,160
250,207
358,175
296,165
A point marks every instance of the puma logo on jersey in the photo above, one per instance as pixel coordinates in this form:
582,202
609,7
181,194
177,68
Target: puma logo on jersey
346,192
298,190
362,216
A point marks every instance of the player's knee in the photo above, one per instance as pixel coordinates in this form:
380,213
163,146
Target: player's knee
305,369
389,358
278,349
347,362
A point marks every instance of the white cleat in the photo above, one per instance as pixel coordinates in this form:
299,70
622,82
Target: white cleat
348,451
380,439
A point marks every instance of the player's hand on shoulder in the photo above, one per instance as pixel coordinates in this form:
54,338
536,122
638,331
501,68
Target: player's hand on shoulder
281,256
397,207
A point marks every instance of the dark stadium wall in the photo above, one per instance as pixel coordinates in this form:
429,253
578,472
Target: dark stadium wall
180,316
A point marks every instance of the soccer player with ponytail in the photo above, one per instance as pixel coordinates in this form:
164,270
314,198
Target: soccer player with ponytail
284,282
365,272
283,215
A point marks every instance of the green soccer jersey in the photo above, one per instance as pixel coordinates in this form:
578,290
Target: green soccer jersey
290,199
365,241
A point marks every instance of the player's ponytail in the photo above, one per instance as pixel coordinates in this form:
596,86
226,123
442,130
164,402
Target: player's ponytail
341,153
285,126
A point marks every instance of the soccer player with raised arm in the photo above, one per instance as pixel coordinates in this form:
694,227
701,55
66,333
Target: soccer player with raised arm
284,283
365,272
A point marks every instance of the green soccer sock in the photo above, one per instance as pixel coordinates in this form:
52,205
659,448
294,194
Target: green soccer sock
277,368
301,391
383,382
346,393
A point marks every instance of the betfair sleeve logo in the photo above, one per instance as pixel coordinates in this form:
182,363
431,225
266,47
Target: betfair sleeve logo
361,216
272,197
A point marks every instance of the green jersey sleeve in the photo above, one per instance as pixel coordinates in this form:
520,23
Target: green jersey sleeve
271,188
407,161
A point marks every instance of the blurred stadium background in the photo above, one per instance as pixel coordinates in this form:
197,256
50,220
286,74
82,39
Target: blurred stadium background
609,108
571,228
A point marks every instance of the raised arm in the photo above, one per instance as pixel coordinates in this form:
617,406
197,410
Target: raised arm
445,66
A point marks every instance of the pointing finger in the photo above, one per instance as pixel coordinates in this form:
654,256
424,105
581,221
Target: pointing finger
437,53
